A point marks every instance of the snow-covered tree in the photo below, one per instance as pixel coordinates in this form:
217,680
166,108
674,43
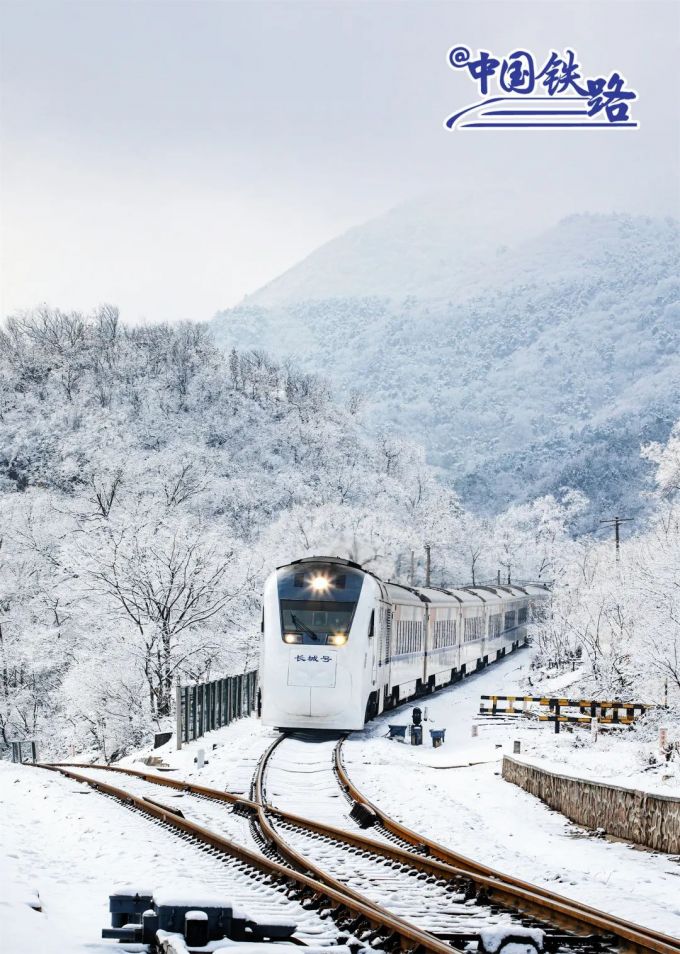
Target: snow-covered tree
148,483
622,611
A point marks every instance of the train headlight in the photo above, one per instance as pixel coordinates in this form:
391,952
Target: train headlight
292,638
320,583
337,639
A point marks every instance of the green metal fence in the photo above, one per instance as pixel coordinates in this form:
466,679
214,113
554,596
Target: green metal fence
210,705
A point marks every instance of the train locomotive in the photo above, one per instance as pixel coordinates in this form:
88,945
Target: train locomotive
340,645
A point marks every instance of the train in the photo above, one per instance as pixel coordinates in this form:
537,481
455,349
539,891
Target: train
340,645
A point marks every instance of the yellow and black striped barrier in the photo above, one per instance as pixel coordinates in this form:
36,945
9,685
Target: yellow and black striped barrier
606,712
510,709
602,720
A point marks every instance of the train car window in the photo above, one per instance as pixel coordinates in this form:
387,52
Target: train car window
522,615
371,631
444,633
495,624
473,629
510,620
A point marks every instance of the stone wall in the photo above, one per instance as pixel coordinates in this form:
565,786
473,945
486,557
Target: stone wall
646,819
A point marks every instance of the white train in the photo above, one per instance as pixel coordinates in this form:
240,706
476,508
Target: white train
340,645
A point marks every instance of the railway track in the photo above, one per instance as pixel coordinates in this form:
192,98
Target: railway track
441,901
219,866
553,907
356,922
391,840
387,885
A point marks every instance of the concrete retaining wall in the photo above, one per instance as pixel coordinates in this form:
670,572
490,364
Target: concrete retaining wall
650,820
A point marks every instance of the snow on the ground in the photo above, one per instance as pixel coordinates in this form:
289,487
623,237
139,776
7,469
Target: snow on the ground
456,795
64,848
231,755
623,756
620,756
72,846
471,808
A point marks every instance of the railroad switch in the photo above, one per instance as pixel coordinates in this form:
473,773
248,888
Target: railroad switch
363,816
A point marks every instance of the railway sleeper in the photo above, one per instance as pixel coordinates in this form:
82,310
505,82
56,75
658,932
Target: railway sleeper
550,943
589,943
392,942
371,937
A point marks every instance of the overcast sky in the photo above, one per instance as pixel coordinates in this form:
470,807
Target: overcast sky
172,157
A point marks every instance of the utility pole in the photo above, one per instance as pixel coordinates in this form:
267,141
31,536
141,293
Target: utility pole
413,567
428,564
616,522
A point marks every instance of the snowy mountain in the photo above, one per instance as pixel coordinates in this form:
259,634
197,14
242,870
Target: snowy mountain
541,357
427,248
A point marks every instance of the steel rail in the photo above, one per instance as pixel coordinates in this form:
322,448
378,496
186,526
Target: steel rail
487,889
517,899
340,898
415,935
550,905
498,888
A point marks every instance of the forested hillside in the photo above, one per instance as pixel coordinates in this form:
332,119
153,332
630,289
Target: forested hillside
542,363
148,483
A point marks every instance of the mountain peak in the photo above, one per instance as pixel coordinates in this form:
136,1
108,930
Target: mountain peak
525,358
429,247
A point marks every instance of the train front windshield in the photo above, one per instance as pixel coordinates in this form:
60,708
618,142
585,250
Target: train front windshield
318,603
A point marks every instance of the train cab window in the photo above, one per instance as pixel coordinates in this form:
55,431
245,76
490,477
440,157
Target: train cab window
318,604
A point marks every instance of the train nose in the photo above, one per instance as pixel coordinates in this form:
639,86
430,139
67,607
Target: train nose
299,703
316,703
327,703
316,688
